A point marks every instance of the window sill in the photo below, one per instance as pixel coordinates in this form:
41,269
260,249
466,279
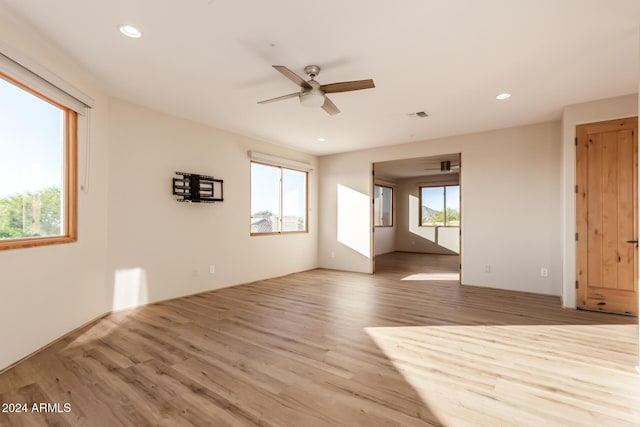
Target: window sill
277,233
35,241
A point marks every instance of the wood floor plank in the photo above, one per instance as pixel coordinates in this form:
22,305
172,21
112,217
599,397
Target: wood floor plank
328,348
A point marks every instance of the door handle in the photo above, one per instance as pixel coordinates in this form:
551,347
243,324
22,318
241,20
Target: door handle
632,241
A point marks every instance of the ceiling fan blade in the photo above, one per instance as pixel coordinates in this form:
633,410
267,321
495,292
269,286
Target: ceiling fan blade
330,107
280,98
292,76
347,86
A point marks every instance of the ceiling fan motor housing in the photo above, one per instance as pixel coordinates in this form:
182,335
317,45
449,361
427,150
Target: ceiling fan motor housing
312,71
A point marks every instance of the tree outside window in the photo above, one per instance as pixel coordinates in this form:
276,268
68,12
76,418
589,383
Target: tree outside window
278,199
440,206
37,168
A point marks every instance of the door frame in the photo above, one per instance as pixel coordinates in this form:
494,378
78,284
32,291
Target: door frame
372,191
372,268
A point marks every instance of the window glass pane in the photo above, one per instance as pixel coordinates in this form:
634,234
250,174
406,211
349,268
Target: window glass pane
453,205
294,200
32,143
432,205
382,206
377,206
265,198
387,201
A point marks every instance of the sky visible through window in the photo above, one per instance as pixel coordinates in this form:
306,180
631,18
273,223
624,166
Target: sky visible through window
433,197
440,206
453,197
265,188
264,194
293,189
31,135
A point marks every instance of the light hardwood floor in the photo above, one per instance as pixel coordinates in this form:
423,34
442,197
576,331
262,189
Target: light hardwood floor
327,348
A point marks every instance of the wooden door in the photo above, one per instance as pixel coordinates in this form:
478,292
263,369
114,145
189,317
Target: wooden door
607,215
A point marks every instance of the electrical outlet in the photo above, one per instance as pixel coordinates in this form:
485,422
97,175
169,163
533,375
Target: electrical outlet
544,272
194,273
487,268
333,254
212,269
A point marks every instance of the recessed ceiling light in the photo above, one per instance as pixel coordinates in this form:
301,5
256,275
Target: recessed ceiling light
321,139
504,95
130,31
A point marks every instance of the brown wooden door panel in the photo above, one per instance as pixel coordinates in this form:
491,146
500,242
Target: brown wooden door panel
617,300
594,209
607,215
609,210
627,163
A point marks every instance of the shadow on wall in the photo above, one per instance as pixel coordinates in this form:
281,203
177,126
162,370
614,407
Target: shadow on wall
445,237
353,224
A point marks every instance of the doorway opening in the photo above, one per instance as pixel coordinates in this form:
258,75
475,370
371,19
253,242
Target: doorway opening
417,209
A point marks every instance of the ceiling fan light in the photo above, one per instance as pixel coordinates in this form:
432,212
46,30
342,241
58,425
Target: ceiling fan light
312,99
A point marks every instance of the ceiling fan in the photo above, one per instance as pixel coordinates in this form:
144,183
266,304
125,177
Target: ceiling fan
445,167
312,93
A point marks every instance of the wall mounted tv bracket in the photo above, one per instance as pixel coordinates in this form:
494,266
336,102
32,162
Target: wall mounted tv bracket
194,188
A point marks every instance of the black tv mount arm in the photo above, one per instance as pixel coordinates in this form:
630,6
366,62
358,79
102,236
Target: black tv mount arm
194,188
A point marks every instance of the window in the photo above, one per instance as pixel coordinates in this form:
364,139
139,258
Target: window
440,206
37,168
278,199
382,206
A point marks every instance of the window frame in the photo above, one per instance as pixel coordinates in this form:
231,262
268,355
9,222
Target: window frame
444,186
306,200
381,210
70,169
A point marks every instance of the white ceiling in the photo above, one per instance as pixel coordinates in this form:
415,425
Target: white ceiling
210,61
415,167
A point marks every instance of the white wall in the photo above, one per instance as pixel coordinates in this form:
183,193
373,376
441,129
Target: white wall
511,205
385,239
410,237
596,111
47,291
159,248
345,227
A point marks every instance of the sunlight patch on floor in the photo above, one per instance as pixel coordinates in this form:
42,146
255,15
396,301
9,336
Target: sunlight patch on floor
432,276
540,374
130,289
